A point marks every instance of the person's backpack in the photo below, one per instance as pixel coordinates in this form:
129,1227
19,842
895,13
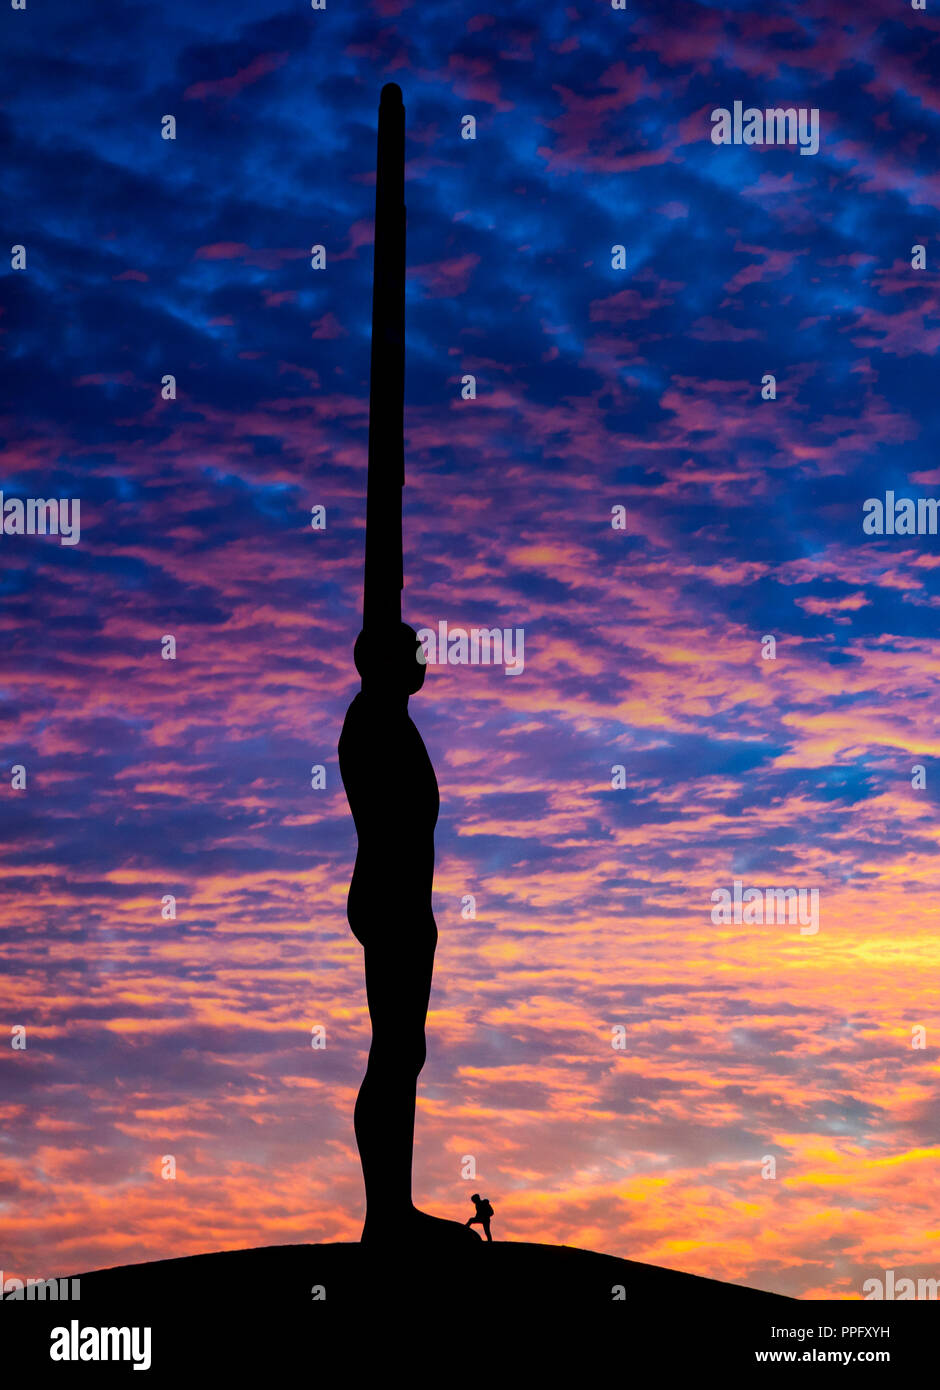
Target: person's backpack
484,1209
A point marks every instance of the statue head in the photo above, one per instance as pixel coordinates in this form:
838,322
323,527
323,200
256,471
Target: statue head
390,660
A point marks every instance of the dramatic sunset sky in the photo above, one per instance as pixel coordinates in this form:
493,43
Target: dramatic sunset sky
596,387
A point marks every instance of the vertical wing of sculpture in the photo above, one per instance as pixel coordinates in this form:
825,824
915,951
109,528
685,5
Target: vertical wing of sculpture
383,568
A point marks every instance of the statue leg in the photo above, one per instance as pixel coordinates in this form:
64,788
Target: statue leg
398,985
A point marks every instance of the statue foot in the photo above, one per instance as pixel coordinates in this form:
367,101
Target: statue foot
418,1228
434,1230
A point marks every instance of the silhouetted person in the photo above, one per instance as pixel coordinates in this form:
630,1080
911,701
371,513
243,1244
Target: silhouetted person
484,1214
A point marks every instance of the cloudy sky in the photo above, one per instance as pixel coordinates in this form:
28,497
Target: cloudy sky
597,388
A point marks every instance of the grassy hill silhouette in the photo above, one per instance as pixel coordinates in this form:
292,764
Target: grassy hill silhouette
348,1277
277,1312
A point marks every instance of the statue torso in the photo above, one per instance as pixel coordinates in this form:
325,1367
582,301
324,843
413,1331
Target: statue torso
393,795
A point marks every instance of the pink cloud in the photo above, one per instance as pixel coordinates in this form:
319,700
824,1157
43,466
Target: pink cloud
230,86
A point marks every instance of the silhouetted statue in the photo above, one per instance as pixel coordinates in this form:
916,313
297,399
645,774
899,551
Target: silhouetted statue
483,1215
389,780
